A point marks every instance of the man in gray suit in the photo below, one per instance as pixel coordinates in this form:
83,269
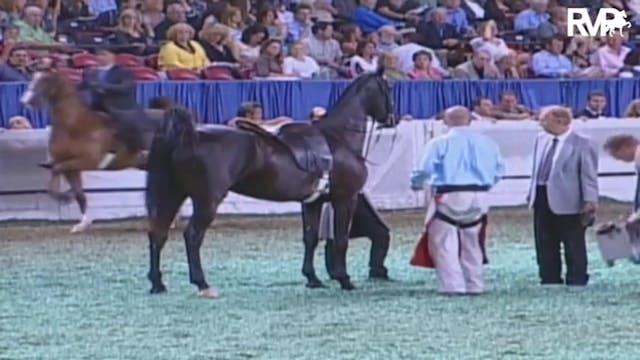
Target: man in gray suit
479,67
564,195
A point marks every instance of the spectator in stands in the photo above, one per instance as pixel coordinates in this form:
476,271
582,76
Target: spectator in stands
489,40
30,26
579,50
152,16
268,17
194,10
366,60
11,10
10,38
105,10
479,67
510,109
387,36
398,10
269,64
633,110
596,104
17,67
408,47
73,9
367,19
506,66
19,123
610,57
439,35
391,67
299,64
351,34
181,51
129,30
483,109
550,62
232,18
252,111
250,42
559,20
325,50
535,21
422,69
499,12
176,14
218,45
301,26
457,17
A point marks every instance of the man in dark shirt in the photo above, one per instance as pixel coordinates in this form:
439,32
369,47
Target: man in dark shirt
17,67
176,13
596,104
437,33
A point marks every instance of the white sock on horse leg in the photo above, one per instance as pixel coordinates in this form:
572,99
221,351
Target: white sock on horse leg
106,160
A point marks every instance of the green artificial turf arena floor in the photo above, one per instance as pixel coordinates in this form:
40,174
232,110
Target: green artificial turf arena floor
85,297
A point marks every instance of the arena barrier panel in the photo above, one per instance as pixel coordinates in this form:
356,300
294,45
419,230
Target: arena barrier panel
392,155
217,101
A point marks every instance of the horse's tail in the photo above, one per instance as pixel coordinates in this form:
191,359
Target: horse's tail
175,141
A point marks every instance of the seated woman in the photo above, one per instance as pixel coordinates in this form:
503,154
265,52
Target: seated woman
270,62
252,111
422,69
299,64
181,51
391,68
268,17
130,31
365,61
232,18
218,45
489,40
250,42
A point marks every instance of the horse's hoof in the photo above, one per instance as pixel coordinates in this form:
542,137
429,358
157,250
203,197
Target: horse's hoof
161,289
80,227
346,284
209,293
317,284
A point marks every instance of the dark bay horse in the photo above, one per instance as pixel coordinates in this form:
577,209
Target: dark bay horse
206,165
81,139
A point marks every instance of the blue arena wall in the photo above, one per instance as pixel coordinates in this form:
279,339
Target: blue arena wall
216,101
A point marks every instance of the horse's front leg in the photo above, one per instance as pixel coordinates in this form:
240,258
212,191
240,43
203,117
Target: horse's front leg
310,226
343,214
54,186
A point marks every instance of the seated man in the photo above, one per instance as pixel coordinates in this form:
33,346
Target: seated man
112,90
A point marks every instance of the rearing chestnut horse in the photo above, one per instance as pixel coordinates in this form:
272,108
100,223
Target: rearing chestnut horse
205,165
81,139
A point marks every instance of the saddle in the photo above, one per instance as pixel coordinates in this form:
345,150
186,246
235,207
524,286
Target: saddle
305,142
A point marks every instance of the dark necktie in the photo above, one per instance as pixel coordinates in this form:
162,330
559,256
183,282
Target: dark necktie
545,166
636,202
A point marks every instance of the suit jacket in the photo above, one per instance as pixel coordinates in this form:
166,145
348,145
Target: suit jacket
431,36
574,177
114,91
467,71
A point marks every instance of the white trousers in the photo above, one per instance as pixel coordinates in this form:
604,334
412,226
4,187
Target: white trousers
458,257
456,252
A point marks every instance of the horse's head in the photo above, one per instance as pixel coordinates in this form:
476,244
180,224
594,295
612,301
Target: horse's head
378,98
44,89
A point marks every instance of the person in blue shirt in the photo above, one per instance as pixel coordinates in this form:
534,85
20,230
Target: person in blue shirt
460,166
550,62
532,19
367,19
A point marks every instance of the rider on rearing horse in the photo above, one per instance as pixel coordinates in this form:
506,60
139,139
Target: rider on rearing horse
111,90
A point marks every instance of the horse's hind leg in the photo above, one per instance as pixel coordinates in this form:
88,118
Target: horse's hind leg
55,183
159,222
311,224
204,211
74,178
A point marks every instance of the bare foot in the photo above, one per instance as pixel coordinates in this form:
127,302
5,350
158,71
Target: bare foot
209,293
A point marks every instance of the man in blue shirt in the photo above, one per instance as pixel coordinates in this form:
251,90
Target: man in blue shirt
367,19
551,63
534,19
460,166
